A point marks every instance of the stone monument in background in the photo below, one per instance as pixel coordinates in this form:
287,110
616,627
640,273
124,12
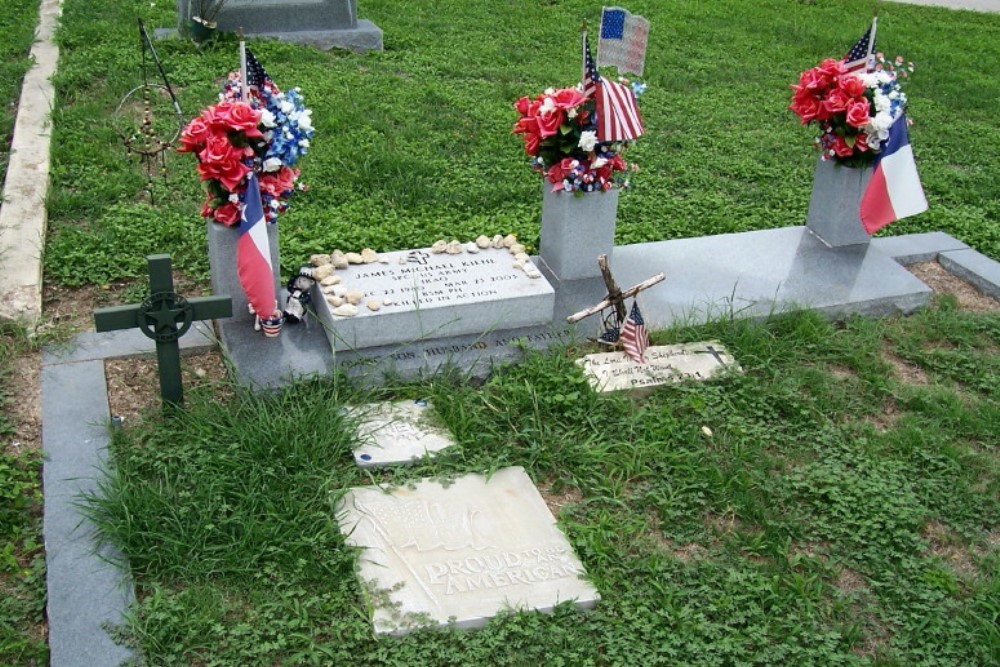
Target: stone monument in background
325,24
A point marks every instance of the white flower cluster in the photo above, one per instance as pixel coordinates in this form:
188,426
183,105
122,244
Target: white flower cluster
889,102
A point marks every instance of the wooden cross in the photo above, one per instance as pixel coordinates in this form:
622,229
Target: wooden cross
164,316
616,297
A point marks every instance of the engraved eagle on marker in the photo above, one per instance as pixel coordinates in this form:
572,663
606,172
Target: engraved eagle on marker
424,525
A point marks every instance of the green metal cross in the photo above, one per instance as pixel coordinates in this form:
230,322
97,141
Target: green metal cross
164,316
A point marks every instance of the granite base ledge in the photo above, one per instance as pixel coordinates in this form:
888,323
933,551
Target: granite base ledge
974,267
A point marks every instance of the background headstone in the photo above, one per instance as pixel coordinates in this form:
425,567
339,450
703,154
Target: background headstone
461,552
325,24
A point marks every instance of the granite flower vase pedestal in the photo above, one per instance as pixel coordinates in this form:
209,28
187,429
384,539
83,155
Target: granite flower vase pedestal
833,209
222,242
576,228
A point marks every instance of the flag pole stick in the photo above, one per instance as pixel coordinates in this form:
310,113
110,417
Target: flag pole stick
871,42
244,88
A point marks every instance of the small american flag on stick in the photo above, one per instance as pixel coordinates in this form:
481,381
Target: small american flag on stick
591,79
256,76
618,116
860,55
634,337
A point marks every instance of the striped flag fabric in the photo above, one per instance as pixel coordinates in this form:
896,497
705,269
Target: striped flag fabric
618,116
253,253
256,76
590,78
634,337
623,40
894,191
860,55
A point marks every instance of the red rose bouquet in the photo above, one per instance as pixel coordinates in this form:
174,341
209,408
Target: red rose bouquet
853,110
559,130
265,134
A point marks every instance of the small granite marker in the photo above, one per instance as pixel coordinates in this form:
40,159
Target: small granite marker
615,371
461,553
433,295
164,316
397,433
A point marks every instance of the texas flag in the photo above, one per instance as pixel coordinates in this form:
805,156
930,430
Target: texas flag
253,253
894,191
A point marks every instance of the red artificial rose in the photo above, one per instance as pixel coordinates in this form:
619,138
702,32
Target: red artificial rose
617,163
526,125
836,101
813,80
840,147
206,208
567,98
561,169
531,144
238,116
219,151
526,106
279,182
832,68
852,85
228,214
805,105
549,123
861,142
230,175
194,136
857,113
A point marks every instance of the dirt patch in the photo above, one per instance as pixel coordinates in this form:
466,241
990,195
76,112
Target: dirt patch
888,418
24,409
948,546
904,370
851,583
134,384
841,372
689,552
941,281
722,524
558,501
70,310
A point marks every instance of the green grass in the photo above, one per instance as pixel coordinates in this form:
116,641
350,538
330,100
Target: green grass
836,515
413,143
17,24
22,561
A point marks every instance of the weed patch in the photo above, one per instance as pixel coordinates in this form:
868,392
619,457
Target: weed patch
791,535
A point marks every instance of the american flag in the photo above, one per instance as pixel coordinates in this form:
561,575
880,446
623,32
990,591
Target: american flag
634,336
256,76
618,116
590,78
253,253
622,41
860,55
610,335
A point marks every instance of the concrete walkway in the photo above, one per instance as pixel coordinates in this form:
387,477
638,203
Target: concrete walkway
972,5
23,215
86,589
